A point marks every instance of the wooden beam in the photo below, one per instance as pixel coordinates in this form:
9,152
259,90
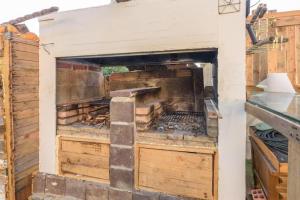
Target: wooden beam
288,21
291,130
282,14
133,92
294,170
285,126
7,76
277,15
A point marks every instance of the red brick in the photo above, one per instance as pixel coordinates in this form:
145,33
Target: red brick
65,65
94,68
79,67
258,194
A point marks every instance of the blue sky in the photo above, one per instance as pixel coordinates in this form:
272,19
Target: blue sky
16,8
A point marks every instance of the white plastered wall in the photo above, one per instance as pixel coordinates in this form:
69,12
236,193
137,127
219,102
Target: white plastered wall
142,26
47,109
232,95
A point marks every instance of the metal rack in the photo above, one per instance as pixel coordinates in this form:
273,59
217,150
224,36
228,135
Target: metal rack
184,121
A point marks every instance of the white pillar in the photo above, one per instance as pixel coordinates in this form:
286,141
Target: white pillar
47,106
232,96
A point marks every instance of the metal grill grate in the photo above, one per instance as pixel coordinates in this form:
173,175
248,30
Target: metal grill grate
101,102
181,121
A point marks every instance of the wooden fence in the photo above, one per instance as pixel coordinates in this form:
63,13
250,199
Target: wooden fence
276,57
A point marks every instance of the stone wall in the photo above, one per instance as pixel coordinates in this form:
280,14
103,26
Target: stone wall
52,187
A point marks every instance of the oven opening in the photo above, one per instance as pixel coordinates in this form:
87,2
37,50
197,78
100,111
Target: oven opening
177,93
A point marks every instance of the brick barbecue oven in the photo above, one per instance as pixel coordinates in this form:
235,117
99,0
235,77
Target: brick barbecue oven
170,126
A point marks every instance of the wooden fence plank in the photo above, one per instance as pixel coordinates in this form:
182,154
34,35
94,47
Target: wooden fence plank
288,21
282,58
191,174
6,74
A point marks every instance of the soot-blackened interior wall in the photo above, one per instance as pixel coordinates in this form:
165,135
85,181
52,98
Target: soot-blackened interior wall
78,81
181,90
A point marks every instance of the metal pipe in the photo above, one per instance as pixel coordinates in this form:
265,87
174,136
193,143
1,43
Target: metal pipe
251,33
268,40
263,11
256,13
248,5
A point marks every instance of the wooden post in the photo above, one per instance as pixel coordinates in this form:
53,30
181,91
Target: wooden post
6,78
294,170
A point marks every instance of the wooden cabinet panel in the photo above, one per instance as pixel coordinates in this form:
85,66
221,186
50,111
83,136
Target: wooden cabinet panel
184,173
270,173
82,158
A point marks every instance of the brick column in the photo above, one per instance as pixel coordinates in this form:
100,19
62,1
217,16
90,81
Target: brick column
121,163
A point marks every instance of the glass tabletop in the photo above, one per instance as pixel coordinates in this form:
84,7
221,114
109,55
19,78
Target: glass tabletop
284,104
